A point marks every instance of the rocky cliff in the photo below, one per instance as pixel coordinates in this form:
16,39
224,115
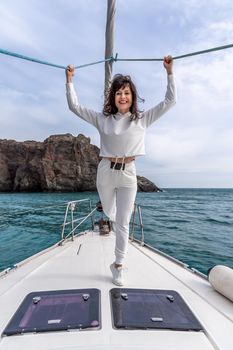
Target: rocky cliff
60,163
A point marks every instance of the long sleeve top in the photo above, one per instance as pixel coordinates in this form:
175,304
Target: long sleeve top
119,136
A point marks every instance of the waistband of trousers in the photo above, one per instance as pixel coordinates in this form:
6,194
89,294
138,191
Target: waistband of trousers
122,160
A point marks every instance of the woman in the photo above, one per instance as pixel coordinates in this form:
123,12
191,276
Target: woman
122,131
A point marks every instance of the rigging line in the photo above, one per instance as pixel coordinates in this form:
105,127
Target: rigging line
138,59
5,52
14,54
97,62
204,51
177,57
115,59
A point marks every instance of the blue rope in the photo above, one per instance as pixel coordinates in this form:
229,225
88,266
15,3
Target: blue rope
177,57
204,51
30,59
138,59
5,52
91,64
115,59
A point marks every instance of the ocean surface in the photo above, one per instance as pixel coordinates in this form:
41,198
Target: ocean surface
192,225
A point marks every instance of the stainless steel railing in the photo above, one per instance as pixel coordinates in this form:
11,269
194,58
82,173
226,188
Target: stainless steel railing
137,212
74,222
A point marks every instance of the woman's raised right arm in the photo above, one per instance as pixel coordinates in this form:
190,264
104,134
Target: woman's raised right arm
88,115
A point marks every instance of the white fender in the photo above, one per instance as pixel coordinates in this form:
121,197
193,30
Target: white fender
221,278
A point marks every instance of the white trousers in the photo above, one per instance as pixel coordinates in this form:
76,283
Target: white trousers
117,190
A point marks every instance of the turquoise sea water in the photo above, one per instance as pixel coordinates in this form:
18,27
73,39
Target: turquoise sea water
193,225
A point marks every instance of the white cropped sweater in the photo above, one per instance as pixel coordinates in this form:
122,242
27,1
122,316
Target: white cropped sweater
120,137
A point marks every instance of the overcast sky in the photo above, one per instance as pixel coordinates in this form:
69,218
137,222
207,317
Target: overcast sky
190,146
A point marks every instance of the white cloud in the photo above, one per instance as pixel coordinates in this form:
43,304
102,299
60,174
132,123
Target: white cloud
197,135
196,150
14,30
212,34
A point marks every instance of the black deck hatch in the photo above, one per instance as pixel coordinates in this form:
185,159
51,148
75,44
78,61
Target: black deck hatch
151,309
48,311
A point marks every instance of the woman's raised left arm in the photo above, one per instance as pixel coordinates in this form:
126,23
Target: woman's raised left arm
156,112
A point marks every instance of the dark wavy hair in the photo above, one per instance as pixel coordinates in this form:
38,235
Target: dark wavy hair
121,81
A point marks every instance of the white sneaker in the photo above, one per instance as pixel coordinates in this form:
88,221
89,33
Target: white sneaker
117,275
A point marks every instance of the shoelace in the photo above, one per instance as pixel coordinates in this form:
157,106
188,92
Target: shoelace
122,164
114,164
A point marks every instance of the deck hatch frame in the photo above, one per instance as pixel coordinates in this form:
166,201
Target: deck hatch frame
151,309
59,310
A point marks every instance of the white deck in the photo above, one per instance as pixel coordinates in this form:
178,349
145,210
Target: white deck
63,268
